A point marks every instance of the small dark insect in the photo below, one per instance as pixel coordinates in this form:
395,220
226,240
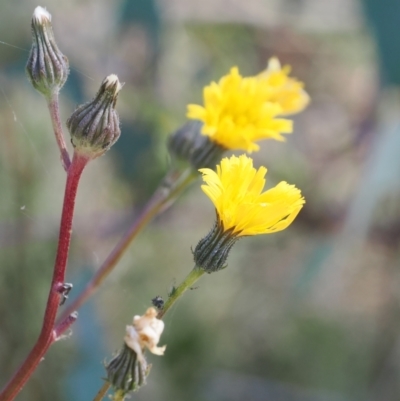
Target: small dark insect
64,290
158,302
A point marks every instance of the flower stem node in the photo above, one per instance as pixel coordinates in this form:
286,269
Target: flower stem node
188,144
94,126
129,369
47,67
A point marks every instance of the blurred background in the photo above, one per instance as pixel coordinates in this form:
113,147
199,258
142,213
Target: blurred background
308,314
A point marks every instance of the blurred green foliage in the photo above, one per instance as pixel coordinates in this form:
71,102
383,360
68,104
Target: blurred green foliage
301,315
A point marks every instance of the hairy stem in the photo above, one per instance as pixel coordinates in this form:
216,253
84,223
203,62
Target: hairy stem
48,335
52,104
177,292
171,186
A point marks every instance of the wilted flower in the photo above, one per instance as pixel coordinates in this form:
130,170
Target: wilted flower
47,67
128,370
144,333
242,208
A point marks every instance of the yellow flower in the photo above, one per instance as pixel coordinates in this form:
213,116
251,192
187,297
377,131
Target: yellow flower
236,191
280,88
236,112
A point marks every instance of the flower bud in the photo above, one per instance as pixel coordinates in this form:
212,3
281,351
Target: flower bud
47,67
189,145
94,126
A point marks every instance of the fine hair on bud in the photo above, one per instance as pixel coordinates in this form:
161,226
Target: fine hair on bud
94,126
47,68
211,253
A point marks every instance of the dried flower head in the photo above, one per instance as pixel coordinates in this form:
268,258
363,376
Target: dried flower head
144,333
242,208
129,369
94,126
47,67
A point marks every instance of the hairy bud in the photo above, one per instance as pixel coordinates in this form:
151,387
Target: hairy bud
211,253
47,67
94,126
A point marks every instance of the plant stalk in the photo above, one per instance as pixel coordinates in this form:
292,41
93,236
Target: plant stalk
48,334
172,185
102,392
177,292
52,104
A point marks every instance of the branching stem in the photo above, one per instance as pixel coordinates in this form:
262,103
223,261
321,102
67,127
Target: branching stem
172,185
48,334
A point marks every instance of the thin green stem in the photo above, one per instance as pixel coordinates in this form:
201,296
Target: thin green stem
119,396
177,292
172,185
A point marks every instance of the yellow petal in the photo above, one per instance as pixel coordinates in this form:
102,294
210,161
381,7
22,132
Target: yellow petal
236,190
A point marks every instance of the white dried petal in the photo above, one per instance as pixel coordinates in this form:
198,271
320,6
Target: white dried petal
111,80
132,340
145,333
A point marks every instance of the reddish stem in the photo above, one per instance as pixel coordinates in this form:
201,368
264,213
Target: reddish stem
66,324
172,185
54,110
48,335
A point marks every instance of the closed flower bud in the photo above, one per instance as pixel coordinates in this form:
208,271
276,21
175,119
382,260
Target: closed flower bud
189,145
94,126
47,67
